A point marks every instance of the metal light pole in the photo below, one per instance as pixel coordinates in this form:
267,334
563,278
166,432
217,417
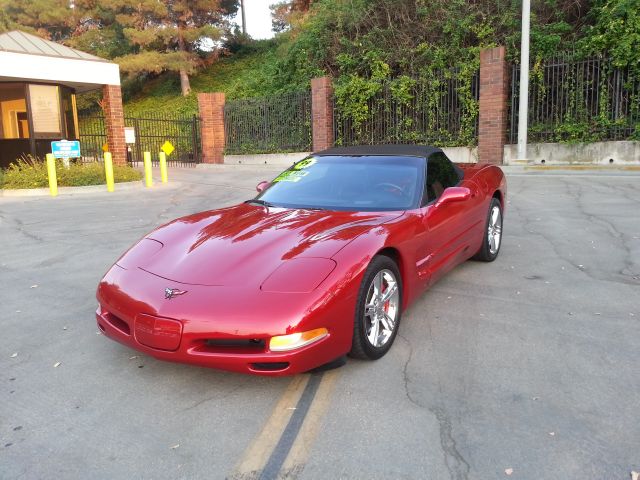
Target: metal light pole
244,20
523,108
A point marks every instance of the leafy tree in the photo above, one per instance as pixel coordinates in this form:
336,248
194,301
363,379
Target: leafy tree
151,36
97,29
5,22
286,13
52,19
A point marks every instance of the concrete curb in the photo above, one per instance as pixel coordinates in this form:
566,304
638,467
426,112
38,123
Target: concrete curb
572,169
241,166
89,189
602,168
279,159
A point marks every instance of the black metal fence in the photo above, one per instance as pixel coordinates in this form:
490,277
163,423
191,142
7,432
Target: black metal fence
280,123
578,100
93,137
442,111
150,132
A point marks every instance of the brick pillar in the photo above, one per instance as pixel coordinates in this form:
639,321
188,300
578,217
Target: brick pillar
211,106
494,90
322,113
114,122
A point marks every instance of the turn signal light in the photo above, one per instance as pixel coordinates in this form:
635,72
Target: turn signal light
283,343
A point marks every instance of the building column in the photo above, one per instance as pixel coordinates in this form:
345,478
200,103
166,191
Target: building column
494,91
211,107
114,122
322,113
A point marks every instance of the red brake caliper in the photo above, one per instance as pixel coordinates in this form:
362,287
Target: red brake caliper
386,304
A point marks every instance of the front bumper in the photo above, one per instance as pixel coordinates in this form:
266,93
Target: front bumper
183,330
197,353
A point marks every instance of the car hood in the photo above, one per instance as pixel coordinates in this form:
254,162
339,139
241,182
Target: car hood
243,244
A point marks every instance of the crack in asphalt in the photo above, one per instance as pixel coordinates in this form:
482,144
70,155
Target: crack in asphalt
173,202
528,224
212,397
406,375
610,229
18,226
456,464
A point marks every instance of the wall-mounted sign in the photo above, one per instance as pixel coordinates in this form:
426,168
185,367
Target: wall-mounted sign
45,108
129,135
66,149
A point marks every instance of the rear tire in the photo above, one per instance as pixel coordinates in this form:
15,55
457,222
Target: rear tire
492,233
378,310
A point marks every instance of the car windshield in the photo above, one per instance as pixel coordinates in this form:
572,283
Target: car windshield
360,183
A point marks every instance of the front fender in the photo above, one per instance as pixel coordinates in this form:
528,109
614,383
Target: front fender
399,239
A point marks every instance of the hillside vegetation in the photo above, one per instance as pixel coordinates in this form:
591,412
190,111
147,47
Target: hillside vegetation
250,72
364,44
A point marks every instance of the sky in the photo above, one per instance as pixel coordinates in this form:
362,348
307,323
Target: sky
258,18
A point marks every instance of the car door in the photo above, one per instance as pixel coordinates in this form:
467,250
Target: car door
447,225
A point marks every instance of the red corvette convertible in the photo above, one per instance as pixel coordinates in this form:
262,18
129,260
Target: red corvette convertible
321,263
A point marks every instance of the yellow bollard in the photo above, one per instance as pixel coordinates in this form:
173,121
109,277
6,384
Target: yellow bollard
148,179
163,167
108,170
51,173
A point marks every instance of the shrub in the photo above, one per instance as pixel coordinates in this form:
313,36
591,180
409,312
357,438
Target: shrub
29,172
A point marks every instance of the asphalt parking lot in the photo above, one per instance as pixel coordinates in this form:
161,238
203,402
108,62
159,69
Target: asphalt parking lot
526,368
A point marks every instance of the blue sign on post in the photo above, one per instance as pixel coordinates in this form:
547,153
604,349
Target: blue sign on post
66,149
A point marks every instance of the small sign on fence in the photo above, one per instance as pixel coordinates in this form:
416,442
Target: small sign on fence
66,149
167,147
129,135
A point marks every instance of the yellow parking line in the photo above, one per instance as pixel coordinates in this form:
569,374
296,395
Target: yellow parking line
257,454
304,441
282,447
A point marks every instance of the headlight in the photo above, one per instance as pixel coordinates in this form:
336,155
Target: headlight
284,343
298,275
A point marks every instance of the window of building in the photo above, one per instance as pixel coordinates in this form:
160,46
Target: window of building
14,122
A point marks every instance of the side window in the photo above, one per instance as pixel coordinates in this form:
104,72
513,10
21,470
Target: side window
441,174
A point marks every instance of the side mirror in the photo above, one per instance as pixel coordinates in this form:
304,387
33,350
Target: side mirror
453,194
262,186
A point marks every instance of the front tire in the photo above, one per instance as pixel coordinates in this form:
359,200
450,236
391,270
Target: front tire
378,310
492,237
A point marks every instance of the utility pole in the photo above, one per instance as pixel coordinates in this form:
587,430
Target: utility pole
523,107
244,20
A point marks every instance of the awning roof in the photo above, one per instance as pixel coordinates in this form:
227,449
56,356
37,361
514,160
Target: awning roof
21,42
28,58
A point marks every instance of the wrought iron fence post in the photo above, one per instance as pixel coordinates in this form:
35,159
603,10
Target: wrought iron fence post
194,139
138,146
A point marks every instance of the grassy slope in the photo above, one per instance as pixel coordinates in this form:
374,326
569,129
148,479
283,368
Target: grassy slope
246,74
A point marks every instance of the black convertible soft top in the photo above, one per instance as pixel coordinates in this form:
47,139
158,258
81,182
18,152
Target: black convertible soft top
411,150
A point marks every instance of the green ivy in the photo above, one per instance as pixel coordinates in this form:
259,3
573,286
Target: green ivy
403,52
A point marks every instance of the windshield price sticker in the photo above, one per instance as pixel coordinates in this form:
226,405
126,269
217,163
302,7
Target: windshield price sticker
290,176
304,163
